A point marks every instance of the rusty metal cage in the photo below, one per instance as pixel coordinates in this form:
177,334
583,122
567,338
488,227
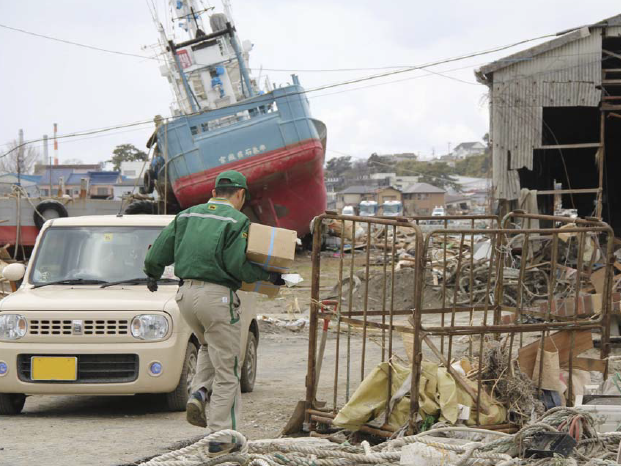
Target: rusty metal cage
467,285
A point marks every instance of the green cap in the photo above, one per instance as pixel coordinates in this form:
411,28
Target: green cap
232,178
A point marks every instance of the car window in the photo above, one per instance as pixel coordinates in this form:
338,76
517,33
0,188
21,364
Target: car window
93,253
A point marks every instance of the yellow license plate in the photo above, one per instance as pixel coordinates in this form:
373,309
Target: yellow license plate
53,368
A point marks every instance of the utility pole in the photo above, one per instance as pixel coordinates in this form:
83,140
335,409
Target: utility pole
20,153
449,149
55,145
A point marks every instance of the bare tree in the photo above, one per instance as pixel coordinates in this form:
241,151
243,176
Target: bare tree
19,159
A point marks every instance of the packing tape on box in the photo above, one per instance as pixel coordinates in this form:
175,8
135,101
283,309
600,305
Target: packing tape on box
270,251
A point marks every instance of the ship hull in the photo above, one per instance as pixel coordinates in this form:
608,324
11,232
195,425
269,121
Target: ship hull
286,186
271,139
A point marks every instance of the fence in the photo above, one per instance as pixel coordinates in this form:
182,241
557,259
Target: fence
455,291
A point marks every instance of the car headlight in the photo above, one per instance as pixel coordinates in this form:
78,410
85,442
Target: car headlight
12,326
149,327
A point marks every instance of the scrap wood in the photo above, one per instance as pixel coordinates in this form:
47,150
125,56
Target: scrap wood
561,342
588,305
597,279
588,364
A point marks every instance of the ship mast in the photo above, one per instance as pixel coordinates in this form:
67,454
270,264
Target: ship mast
207,68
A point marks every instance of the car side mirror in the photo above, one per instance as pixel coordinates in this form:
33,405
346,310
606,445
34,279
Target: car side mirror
14,272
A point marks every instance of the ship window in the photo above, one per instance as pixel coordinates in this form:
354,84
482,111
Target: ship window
205,127
194,130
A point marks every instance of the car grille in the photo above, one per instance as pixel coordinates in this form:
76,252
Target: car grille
90,327
92,368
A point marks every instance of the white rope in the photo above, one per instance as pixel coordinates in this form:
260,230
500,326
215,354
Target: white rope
505,450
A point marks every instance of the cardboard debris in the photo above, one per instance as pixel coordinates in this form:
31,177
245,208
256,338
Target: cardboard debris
561,342
597,279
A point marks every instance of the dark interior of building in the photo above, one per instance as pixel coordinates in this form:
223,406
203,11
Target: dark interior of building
577,168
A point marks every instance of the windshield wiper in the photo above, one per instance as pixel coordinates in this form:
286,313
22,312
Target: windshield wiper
72,281
135,280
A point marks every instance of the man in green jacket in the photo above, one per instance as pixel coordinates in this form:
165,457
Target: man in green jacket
207,243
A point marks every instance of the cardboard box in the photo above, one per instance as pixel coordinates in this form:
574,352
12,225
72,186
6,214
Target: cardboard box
266,288
270,247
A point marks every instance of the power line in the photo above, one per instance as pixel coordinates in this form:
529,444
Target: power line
266,97
81,133
77,44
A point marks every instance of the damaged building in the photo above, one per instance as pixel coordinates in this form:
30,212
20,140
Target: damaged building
555,122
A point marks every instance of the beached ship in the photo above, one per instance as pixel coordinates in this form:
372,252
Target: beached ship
225,119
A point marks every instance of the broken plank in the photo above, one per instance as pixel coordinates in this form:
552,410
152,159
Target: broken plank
559,341
586,145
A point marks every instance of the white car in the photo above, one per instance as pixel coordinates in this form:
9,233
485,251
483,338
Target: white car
438,212
348,210
83,321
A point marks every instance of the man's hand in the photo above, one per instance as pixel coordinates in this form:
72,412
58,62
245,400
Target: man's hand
152,284
276,279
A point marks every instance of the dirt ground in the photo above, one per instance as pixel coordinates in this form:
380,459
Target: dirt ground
113,431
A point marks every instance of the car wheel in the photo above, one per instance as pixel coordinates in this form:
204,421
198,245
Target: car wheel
11,403
176,400
249,369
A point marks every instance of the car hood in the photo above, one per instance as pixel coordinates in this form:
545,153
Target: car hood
87,297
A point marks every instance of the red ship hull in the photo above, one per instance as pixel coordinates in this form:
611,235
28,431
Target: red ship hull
286,186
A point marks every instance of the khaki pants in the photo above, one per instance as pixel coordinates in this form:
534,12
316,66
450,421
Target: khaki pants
212,311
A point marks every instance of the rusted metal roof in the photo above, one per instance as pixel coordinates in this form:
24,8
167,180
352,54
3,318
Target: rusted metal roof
564,72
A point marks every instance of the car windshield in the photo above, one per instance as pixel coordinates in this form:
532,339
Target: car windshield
367,210
391,208
106,254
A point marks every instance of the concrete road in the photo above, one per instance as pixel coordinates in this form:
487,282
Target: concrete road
112,431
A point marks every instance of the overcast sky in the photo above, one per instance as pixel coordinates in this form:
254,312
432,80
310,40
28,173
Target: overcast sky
43,82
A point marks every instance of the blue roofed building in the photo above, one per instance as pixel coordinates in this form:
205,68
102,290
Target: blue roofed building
102,184
51,180
27,182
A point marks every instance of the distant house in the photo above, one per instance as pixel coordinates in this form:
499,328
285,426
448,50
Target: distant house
27,182
354,195
458,204
134,169
52,179
126,186
389,193
402,182
466,149
421,198
102,184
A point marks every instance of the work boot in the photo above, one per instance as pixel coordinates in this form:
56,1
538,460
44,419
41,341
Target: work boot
195,410
221,448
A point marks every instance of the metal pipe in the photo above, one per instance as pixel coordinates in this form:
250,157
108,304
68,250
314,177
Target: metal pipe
240,59
313,318
184,79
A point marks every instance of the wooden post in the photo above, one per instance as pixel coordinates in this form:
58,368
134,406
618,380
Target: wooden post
600,164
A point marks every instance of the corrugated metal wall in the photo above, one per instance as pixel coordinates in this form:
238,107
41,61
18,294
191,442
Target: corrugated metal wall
563,77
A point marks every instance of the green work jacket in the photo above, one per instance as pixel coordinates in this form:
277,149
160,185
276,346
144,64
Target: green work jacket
206,242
